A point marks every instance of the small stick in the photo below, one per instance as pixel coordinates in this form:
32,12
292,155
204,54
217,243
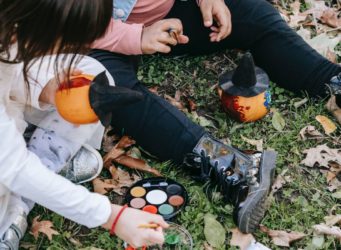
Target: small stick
153,226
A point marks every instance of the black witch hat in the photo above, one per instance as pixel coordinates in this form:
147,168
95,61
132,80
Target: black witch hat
246,80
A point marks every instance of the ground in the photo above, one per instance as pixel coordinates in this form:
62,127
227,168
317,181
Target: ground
300,204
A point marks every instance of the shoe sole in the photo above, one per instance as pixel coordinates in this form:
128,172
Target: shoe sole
253,209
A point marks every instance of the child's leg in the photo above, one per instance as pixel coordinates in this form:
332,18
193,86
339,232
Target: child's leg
258,27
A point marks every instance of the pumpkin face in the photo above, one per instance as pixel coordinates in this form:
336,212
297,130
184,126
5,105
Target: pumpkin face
72,101
246,109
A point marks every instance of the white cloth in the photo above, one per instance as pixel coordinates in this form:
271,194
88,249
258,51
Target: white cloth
21,172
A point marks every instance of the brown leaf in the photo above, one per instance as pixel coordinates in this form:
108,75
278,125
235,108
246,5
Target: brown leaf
192,105
109,141
296,17
328,126
329,17
331,220
102,187
121,179
310,132
44,227
125,142
282,238
321,155
137,164
334,184
332,107
118,150
241,240
326,230
331,56
174,102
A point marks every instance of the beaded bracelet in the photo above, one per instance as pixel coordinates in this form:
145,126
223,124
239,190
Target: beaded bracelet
112,230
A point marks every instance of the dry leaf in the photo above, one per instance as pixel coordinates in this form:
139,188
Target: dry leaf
278,184
329,17
332,107
326,230
118,150
282,238
310,132
102,187
331,56
323,43
297,17
240,239
207,246
108,140
334,184
137,164
44,227
177,103
257,143
192,105
328,126
331,220
121,179
321,155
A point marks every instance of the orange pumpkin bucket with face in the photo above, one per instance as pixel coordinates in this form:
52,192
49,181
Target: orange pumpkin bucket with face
244,92
72,100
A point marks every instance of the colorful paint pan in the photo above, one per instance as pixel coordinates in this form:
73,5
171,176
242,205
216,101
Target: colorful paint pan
158,196
138,192
176,200
150,209
138,203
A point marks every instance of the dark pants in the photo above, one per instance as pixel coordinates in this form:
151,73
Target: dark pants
165,131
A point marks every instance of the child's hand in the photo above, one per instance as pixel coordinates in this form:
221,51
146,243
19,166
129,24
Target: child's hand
156,38
48,93
218,11
127,227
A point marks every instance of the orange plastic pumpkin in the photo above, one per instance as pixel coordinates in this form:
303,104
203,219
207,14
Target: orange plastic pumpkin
246,109
72,101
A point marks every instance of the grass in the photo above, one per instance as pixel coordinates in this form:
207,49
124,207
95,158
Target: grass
299,205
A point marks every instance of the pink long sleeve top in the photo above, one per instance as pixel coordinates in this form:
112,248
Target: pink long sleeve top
125,37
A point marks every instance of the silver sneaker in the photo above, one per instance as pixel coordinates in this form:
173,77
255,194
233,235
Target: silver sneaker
10,240
85,166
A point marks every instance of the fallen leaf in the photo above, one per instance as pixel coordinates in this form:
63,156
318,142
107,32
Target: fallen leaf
326,230
296,17
214,232
332,107
323,43
117,150
204,122
333,185
328,126
241,240
331,220
331,56
137,164
192,105
278,184
321,155
109,141
301,102
257,143
102,187
176,103
310,132
121,179
282,238
330,17
44,227
277,120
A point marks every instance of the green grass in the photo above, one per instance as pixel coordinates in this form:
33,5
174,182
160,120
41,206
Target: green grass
299,205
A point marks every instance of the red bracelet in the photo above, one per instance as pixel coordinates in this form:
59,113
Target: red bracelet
112,231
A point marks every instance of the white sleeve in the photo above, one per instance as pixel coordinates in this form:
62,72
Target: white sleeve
24,174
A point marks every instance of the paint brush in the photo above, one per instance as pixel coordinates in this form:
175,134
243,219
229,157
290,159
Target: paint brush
161,184
152,226
174,34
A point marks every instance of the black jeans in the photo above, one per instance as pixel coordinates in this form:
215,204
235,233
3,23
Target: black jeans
165,131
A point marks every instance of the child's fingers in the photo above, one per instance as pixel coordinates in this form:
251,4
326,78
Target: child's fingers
160,221
155,237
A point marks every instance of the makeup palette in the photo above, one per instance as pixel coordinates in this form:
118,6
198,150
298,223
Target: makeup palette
158,195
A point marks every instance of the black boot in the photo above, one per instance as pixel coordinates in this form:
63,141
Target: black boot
244,179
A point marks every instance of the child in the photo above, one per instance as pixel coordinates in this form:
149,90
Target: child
28,30
202,27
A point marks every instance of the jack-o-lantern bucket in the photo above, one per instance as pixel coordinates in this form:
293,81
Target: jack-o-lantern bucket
244,92
72,100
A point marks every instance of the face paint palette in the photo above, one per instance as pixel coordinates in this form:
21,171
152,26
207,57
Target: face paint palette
158,195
